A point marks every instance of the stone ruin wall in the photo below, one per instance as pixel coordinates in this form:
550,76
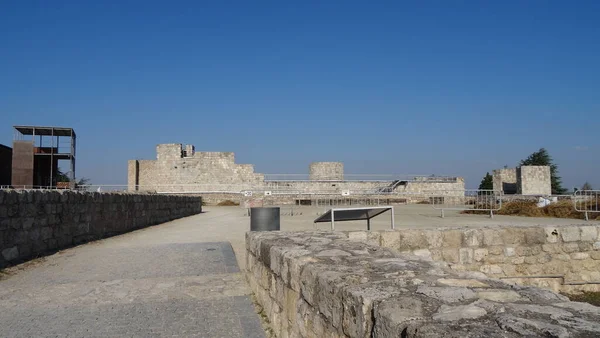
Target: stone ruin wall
334,284
326,171
182,169
534,180
562,258
505,180
209,171
524,180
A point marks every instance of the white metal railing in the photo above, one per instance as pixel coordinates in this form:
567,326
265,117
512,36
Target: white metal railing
470,199
587,201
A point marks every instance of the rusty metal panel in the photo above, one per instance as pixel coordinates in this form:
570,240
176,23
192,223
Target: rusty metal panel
22,164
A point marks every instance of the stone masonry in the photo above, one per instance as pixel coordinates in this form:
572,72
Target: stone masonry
524,180
505,180
326,171
36,222
534,180
323,284
562,258
180,169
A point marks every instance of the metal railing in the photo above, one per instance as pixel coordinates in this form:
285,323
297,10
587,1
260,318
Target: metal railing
472,200
587,201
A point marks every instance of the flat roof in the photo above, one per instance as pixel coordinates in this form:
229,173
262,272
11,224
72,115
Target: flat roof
45,131
352,214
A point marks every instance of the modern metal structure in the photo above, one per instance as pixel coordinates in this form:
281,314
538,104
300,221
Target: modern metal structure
355,214
36,152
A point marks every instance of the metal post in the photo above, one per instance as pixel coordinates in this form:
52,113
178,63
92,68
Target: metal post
393,223
332,220
491,213
368,224
442,213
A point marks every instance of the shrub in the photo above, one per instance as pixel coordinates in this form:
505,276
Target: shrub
227,203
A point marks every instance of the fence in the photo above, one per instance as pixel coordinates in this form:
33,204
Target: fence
587,201
472,200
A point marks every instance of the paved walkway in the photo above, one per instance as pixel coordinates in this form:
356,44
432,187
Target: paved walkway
162,281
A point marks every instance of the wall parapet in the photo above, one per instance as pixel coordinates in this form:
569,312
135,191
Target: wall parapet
323,284
35,222
563,258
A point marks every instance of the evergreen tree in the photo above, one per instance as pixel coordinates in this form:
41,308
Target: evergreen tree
487,182
541,157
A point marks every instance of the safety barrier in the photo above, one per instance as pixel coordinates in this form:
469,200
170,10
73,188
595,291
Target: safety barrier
587,201
472,199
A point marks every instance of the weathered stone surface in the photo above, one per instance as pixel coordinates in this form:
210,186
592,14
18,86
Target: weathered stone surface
447,294
455,313
11,253
357,290
35,223
570,234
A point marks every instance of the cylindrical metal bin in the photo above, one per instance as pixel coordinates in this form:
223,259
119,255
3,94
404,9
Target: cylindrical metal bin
264,219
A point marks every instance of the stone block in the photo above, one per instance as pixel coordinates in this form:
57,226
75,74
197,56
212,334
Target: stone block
411,240
492,237
452,239
391,239
480,254
570,234
450,255
552,234
10,254
570,247
589,233
434,238
580,255
509,252
473,237
465,255
595,254
513,235
535,236
491,269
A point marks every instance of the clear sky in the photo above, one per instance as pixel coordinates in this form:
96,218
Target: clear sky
395,87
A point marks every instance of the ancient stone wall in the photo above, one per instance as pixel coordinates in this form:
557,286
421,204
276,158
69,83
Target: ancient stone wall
321,284
35,222
186,171
563,258
326,171
176,168
505,180
534,180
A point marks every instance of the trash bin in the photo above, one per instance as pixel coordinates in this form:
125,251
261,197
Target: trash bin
264,219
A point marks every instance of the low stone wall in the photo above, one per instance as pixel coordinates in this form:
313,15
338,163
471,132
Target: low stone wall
563,258
36,222
321,284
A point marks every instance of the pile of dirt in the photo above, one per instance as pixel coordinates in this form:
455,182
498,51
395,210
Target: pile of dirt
227,203
560,209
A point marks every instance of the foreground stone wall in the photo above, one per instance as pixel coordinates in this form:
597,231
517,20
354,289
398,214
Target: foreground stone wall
321,284
36,222
563,258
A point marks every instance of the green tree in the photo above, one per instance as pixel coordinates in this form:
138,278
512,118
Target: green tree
487,182
541,157
62,177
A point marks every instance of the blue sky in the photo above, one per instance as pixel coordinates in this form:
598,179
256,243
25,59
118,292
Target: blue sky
450,88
